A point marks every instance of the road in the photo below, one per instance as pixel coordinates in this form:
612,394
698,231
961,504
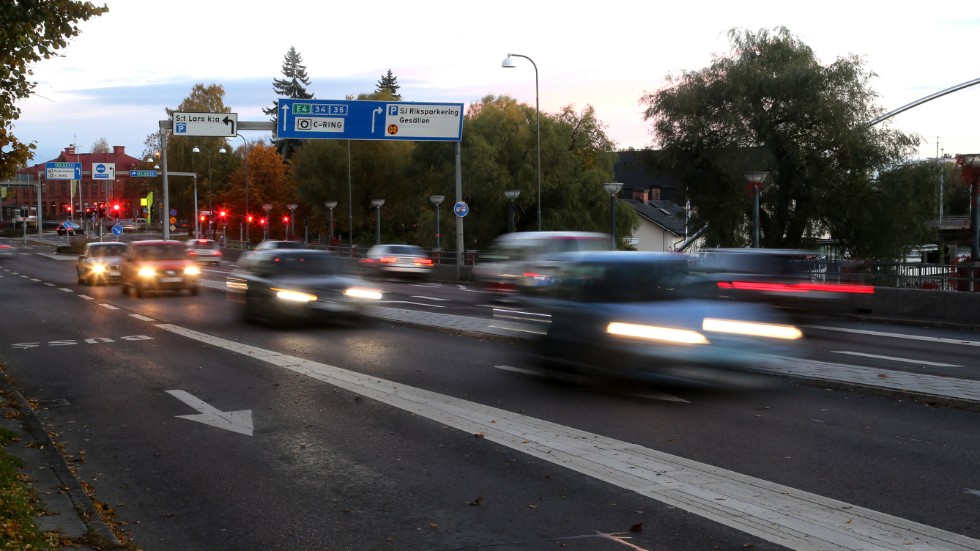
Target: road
200,432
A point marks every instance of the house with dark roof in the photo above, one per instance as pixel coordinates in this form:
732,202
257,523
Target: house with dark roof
654,196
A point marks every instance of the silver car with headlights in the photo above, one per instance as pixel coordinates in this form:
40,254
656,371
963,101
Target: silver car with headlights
632,315
99,263
299,285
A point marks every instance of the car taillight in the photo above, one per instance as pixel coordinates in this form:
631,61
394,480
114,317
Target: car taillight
423,262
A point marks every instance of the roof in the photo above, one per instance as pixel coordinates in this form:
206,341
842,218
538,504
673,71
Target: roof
666,214
639,170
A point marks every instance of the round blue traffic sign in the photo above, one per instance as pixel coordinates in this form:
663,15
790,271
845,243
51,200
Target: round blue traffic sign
117,229
173,212
461,209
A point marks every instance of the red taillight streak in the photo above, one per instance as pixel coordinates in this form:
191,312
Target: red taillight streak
798,287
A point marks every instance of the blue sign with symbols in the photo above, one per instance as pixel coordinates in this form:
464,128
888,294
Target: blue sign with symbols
461,209
57,170
142,174
304,119
117,229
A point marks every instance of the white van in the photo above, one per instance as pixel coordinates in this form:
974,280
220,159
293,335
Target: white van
518,261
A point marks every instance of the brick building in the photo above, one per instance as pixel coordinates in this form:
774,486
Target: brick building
58,195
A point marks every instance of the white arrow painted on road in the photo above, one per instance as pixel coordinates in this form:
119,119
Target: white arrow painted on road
236,421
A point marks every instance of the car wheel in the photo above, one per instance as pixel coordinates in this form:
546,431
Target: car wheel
123,288
140,293
194,290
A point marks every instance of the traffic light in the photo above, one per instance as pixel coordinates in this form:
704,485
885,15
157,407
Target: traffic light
224,214
115,210
204,218
285,219
261,221
250,219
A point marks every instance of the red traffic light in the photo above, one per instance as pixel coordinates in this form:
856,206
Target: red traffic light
224,214
285,219
250,218
115,207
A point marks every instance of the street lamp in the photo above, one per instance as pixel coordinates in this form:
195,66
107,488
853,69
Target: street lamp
376,203
268,221
437,200
330,205
292,217
508,63
612,188
511,195
755,182
197,149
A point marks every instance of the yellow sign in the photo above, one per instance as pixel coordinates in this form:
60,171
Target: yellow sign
173,219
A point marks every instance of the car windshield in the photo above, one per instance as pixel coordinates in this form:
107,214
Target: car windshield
623,281
204,245
408,250
161,252
107,250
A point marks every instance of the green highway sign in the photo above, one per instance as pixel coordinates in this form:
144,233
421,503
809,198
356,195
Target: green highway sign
142,174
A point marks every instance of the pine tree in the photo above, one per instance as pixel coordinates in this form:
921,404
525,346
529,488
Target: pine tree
390,84
293,86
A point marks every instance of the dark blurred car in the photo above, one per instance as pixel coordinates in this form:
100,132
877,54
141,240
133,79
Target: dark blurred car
794,280
6,251
100,263
62,229
272,244
291,285
619,315
158,265
397,261
204,250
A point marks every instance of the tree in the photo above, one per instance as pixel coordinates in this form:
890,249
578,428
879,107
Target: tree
101,146
771,106
30,31
389,83
293,86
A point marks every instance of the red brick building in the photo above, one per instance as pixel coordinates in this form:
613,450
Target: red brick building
58,195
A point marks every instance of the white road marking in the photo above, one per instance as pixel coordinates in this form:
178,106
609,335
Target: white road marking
236,421
415,303
139,317
893,358
49,284
86,297
35,279
974,492
67,290
896,335
108,306
437,299
779,514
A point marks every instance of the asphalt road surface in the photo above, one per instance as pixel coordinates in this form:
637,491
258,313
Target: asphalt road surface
201,432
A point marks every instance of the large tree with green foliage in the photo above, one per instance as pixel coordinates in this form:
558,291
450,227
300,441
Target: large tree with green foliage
388,83
770,105
294,86
30,31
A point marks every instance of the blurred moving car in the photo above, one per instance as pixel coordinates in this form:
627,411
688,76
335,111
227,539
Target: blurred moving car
619,315
158,265
792,279
128,224
273,244
521,261
6,251
290,285
204,250
100,262
397,261
64,229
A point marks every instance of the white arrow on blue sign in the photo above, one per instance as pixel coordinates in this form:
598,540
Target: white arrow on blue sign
369,120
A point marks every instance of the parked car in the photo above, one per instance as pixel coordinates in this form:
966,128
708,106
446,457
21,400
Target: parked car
100,262
517,262
622,315
158,265
204,250
293,285
64,229
397,261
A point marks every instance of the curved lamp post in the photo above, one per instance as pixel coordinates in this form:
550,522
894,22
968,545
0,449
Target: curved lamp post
755,180
376,203
330,206
511,195
292,218
268,221
508,63
437,200
612,189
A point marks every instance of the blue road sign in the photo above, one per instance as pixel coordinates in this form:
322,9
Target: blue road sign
461,209
62,171
304,119
117,229
142,174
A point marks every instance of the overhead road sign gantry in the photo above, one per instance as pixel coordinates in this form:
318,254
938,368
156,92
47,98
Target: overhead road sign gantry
62,171
305,119
205,124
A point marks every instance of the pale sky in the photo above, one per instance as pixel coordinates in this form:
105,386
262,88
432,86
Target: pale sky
116,78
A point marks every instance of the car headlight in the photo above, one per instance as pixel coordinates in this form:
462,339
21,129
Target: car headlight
294,296
751,329
655,333
192,270
363,292
146,271
98,268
